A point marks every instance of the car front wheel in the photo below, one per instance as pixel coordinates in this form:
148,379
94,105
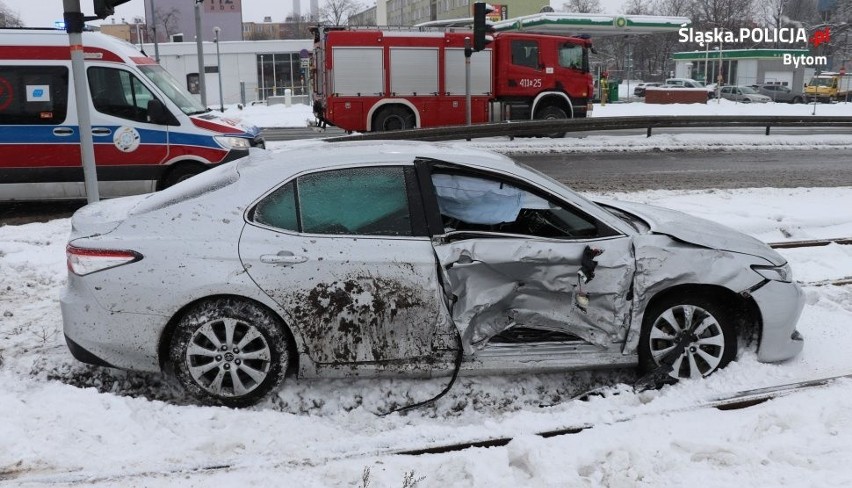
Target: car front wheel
229,352
693,336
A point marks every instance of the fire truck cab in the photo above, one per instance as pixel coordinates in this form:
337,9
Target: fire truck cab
367,79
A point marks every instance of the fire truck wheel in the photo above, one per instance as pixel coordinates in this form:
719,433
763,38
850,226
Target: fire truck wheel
552,113
394,118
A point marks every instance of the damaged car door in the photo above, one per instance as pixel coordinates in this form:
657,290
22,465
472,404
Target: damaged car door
521,262
346,254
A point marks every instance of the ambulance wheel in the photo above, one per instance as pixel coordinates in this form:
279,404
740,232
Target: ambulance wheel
393,118
178,173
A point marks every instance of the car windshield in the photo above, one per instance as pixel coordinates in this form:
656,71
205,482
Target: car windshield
821,81
747,90
170,86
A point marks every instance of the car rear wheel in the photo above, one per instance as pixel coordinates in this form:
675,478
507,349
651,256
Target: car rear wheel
693,336
229,352
797,100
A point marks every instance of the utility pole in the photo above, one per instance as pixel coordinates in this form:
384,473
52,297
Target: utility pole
154,30
74,24
202,85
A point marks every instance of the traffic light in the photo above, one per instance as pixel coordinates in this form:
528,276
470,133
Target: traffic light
105,8
480,10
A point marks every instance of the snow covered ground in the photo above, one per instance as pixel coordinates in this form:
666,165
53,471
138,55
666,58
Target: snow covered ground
65,423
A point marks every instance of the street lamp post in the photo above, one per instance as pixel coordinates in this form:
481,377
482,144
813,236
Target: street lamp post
216,31
262,80
199,48
154,28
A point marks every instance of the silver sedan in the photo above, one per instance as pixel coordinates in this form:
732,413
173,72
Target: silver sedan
369,259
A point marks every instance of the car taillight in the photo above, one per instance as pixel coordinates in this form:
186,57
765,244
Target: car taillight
86,261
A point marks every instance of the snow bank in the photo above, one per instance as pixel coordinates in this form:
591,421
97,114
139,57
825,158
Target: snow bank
65,422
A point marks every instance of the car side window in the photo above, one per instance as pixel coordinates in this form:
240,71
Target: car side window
278,209
474,203
357,201
354,201
119,93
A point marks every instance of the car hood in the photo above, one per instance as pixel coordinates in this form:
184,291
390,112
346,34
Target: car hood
698,231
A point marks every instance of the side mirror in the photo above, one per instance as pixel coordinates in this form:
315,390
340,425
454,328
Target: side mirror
157,113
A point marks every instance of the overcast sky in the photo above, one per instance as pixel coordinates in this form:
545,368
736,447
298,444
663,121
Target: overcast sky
43,13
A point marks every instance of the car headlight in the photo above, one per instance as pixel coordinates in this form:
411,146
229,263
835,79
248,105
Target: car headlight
229,142
775,273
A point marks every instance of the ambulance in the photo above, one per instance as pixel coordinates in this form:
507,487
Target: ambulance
149,132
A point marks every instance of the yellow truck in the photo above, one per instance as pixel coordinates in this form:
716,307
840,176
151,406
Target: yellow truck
828,87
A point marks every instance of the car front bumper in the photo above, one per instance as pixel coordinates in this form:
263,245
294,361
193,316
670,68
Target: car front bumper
97,336
780,306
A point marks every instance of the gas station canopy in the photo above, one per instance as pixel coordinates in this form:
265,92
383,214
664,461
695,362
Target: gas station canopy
595,25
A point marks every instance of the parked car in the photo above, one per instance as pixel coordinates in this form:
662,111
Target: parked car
779,93
743,94
685,83
689,83
639,91
411,259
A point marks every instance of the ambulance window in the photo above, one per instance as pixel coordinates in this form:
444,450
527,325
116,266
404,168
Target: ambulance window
117,92
33,95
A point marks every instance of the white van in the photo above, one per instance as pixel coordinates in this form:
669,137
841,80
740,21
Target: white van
148,131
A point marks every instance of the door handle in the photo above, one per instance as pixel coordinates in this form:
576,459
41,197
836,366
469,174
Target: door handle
63,131
101,131
283,257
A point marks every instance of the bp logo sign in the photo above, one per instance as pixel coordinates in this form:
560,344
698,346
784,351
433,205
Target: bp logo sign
620,22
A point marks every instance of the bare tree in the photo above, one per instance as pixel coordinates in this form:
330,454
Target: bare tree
169,19
637,7
167,22
337,12
724,14
582,6
9,18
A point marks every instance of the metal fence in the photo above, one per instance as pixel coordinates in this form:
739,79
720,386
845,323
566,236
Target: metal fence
543,127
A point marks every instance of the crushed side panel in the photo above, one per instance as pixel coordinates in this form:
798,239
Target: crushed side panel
499,283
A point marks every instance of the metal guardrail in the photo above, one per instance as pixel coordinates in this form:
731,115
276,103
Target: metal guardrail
541,127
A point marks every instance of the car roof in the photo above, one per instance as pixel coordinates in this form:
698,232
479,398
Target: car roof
304,156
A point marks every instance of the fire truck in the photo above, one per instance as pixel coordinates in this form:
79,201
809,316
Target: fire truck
378,79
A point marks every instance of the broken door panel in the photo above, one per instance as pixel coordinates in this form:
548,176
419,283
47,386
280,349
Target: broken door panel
496,283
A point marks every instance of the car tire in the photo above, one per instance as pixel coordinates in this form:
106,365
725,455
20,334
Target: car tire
552,113
706,328
229,352
796,100
394,118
